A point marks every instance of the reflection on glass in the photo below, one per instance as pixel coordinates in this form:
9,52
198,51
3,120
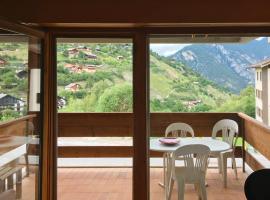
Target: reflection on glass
19,122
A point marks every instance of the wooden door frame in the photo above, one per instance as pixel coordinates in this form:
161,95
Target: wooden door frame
140,91
140,102
39,34
140,38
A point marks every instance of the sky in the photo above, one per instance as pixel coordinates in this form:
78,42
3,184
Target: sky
167,49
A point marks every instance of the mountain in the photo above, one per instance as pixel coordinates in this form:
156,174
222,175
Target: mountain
228,65
174,87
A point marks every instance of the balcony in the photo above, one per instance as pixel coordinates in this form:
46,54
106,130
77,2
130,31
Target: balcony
115,181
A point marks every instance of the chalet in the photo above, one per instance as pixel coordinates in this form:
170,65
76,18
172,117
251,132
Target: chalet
90,68
74,68
192,103
21,74
90,55
120,57
73,87
69,66
2,61
61,102
73,51
8,101
84,48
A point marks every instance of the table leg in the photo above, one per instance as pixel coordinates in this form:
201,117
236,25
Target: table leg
168,176
162,184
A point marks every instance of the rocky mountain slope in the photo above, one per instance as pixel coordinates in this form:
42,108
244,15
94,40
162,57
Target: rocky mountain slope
228,65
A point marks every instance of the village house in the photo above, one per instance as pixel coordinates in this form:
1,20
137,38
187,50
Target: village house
90,68
98,49
61,102
2,61
72,52
21,74
90,55
73,87
120,57
8,101
83,48
192,103
74,68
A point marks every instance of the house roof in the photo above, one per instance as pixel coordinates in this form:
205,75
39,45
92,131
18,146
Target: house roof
2,60
71,85
262,64
2,95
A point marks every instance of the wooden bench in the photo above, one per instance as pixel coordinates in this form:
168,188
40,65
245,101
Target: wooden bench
7,179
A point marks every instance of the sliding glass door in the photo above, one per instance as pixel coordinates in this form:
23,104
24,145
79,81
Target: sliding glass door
20,114
95,108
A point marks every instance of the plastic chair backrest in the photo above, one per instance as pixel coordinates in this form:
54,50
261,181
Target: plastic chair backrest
229,130
257,185
175,128
194,165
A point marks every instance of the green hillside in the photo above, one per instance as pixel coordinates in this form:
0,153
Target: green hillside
101,75
173,86
16,58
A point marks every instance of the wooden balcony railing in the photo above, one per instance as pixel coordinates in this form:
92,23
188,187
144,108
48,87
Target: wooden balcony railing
121,125
257,135
17,126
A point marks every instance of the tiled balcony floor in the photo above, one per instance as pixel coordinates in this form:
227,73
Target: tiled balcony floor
116,184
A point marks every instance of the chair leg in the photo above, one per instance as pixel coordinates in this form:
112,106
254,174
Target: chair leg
10,182
170,188
2,186
19,184
224,168
197,189
27,164
203,194
219,164
234,166
162,183
181,188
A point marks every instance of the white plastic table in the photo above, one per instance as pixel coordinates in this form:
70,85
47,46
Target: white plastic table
215,146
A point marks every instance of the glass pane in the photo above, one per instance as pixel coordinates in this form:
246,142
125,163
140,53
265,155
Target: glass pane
20,126
95,118
199,80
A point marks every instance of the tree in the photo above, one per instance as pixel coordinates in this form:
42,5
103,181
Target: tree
201,108
245,103
116,99
8,114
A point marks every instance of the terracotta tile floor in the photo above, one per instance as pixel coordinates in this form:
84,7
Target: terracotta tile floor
115,184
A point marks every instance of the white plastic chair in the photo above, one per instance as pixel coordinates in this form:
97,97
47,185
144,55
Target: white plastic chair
192,172
229,130
177,129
